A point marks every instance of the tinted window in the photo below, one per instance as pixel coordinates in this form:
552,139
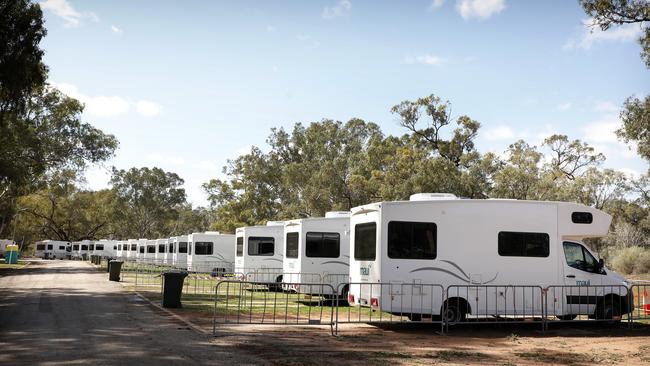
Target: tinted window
412,240
365,241
322,245
182,247
579,257
203,248
61,247
99,247
240,246
171,247
115,247
50,246
151,248
84,247
142,250
75,247
261,245
40,246
161,248
582,218
134,247
515,244
92,247
292,245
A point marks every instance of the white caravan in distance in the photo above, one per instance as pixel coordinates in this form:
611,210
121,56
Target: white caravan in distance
150,251
52,249
104,248
168,258
317,250
439,239
41,247
258,249
211,251
161,251
179,258
140,254
130,249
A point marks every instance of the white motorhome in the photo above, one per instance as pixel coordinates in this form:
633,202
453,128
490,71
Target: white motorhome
179,258
439,239
171,249
85,247
142,250
150,251
41,248
130,249
317,250
3,246
211,251
161,251
104,248
119,253
259,249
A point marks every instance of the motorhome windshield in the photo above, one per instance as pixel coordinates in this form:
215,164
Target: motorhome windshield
292,245
322,245
365,241
263,246
579,257
182,247
203,248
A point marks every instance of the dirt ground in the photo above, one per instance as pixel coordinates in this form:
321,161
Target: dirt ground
423,344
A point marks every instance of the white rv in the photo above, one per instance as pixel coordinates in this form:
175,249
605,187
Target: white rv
211,251
142,250
41,248
179,258
104,248
85,247
438,239
58,249
259,250
161,251
169,253
118,249
317,250
131,248
150,251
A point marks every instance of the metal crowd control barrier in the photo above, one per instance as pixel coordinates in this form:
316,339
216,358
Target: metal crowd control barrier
245,302
390,303
640,301
597,303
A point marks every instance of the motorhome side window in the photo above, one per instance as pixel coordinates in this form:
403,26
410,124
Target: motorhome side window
579,257
182,247
322,245
365,241
50,246
42,247
115,247
134,247
74,247
161,248
99,247
517,244
412,240
151,249
240,246
292,245
142,250
582,218
203,248
61,247
261,246
84,247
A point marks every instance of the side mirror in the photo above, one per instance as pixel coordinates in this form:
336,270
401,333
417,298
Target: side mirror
601,263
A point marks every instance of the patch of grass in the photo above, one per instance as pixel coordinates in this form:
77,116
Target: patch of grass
450,355
19,265
513,337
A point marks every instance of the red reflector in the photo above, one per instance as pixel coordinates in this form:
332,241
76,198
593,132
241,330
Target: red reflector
351,298
374,302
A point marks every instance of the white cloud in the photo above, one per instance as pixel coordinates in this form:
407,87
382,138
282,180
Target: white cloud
479,9
435,4
425,60
206,165
500,133
165,159
606,107
342,8
115,29
564,107
147,108
591,34
101,106
602,131
108,106
65,11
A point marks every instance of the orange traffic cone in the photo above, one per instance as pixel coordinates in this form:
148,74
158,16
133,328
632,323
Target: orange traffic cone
645,304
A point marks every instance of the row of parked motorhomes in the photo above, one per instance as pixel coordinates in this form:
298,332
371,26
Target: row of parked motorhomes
434,238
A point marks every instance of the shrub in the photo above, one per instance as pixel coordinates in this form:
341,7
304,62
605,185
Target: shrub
642,264
626,259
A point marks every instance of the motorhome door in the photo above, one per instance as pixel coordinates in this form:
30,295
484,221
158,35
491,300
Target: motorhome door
581,273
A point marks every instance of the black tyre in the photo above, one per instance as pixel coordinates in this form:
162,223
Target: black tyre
566,317
454,312
609,310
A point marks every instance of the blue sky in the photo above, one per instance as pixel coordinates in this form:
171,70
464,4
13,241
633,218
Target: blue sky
187,85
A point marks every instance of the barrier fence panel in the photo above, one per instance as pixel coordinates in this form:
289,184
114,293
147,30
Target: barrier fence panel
487,304
605,303
265,275
640,300
246,302
390,303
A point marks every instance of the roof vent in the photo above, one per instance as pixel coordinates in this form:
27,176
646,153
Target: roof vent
432,196
213,232
275,223
337,214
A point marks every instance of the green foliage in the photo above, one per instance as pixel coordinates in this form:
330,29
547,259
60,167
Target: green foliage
626,259
636,124
21,68
147,200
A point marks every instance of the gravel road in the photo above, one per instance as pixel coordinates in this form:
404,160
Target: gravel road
67,312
